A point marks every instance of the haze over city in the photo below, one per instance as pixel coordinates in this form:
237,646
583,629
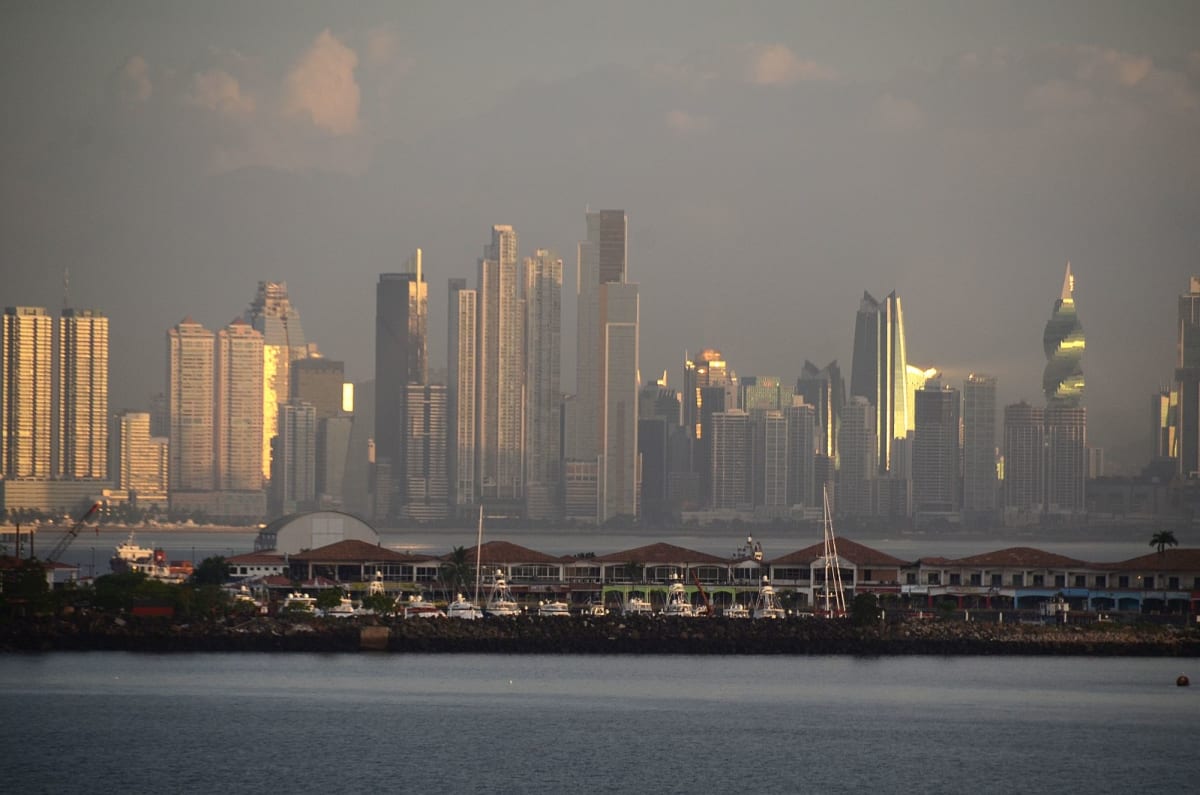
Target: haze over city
774,161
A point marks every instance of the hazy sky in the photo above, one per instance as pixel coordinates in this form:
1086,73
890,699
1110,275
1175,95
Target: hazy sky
775,160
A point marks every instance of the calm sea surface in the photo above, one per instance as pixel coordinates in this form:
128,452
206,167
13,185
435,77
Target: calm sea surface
470,723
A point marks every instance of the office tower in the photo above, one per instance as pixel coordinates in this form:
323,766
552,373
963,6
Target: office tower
358,480
802,447
760,392
659,402
705,382
294,458
190,406
401,323
139,459
1066,419
1063,340
618,476
602,259
1024,439
1095,462
654,439
935,452
238,417
462,397
501,371
160,415
543,394
857,454
82,402
333,450
825,391
272,315
1187,381
427,488
979,448
319,381
879,371
26,401
730,449
769,463
1164,424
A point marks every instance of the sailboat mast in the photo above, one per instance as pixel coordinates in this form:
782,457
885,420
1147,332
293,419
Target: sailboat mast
478,544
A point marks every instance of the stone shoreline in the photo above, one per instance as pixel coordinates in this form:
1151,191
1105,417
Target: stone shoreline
610,635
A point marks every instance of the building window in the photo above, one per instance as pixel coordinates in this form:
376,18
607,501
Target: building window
1060,581
934,578
997,580
1173,583
1149,582
867,575
977,579
1018,580
1039,579
1101,581
911,579
956,579
1080,581
1123,581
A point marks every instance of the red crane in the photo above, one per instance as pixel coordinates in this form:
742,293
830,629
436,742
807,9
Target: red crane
708,606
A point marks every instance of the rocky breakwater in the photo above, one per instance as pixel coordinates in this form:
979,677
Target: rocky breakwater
590,635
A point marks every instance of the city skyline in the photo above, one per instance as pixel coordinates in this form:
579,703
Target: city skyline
958,157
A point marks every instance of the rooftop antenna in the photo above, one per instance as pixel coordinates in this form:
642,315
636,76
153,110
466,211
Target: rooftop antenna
66,288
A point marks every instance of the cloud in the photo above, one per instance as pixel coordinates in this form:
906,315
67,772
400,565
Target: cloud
776,65
1057,96
898,114
322,87
383,46
220,92
133,80
683,123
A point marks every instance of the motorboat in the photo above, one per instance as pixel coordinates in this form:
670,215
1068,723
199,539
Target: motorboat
500,601
637,606
298,602
417,607
767,605
678,602
736,610
462,607
595,609
128,555
343,609
554,608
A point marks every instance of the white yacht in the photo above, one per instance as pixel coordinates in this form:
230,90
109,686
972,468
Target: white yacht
678,601
462,607
554,608
736,610
500,601
343,609
417,607
298,602
767,605
637,606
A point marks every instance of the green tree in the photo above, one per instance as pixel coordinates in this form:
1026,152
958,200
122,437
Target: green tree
864,610
459,570
1163,539
211,571
329,597
381,603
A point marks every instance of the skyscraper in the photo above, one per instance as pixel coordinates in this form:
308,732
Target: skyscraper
705,379
730,448
1164,423
603,259
319,381
1187,381
1024,462
190,406
463,396
139,459
771,462
500,375
935,452
1065,417
879,371
426,488
979,448
401,323
857,454
619,313
82,395
26,368
294,458
802,448
824,390
543,395
272,315
238,417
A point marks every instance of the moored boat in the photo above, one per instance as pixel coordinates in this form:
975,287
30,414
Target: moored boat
678,604
767,605
554,608
500,601
637,606
462,607
736,610
417,607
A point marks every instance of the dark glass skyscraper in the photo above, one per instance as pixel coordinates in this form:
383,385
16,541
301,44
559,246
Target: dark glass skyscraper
1187,381
1062,380
879,371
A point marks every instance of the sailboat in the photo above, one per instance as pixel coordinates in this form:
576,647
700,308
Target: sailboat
462,607
835,594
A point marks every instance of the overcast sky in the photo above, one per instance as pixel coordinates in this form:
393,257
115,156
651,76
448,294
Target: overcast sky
775,161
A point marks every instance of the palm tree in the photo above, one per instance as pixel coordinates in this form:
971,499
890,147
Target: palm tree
1163,539
459,569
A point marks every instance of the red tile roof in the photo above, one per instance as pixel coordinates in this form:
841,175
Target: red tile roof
496,552
1168,560
256,559
856,553
660,554
355,551
1026,557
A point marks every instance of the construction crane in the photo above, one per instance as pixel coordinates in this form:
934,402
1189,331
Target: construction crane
708,605
70,535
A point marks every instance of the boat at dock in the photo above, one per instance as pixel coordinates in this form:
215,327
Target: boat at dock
637,606
462,607
417,607
501,602
679,604
554,608
767,604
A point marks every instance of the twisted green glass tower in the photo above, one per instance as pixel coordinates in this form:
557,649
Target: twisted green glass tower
1062,380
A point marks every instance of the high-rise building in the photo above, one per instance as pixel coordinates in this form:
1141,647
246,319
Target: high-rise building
1164,424
935,452
82,395
706,380
401,358
272,315
543,394
979,449
427,487
619,313
763,392
190,404
1065,417
463,395
1187,381
824,390
603,259
454,286
730,449
769,465
1024,463
879,371
26,397
802,448
294,458
500,375
857,454
139,459
319,381
238,417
